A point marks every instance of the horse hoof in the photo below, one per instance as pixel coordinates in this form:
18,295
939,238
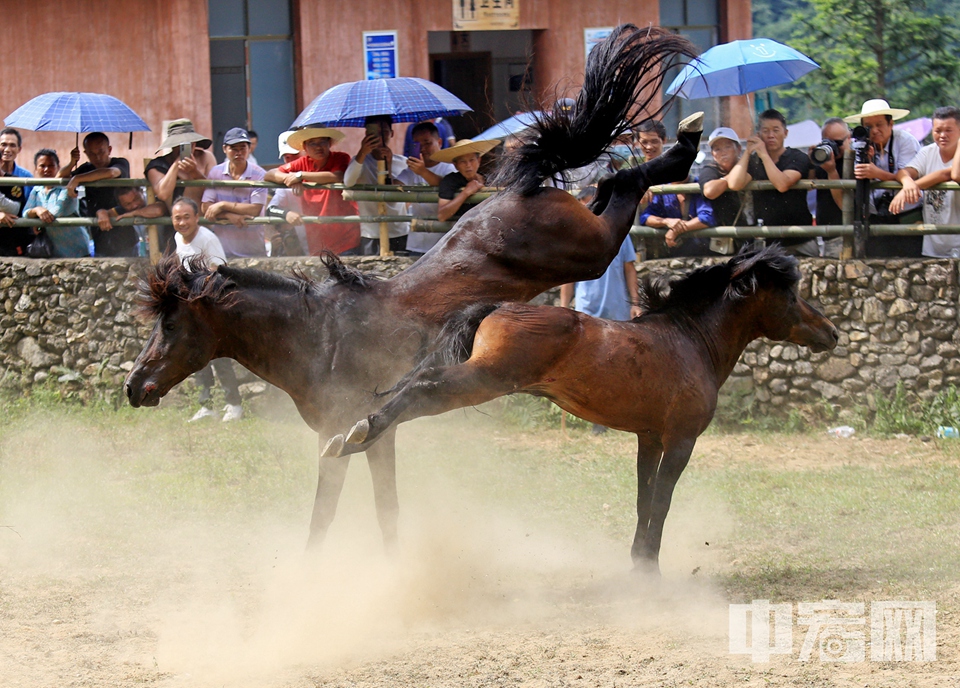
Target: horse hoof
693,123
358,433
333,447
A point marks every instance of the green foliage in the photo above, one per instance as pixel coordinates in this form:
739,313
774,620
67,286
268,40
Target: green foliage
530,412
900,413
900,50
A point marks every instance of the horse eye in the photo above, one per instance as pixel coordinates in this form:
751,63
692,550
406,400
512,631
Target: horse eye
169,326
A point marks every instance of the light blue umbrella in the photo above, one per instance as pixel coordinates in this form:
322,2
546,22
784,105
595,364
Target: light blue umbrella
79,112
508,127
405,99
740,67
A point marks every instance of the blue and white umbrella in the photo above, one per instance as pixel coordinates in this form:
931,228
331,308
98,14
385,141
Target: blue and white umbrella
405,99
740,67
79,112
508,127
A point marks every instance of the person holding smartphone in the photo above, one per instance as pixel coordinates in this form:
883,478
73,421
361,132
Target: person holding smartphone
182,155
363,170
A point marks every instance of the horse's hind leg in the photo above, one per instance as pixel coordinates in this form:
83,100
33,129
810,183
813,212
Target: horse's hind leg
649,451
675,458
382,459
329,485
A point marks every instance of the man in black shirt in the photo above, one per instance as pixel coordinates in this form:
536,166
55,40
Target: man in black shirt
727,205
121,241
830,201
767,159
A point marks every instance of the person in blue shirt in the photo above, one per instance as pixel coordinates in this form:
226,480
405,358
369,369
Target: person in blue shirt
47,203
679,214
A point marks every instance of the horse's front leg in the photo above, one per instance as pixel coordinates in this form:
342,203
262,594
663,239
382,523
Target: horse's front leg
382,459
675,457
649,451
332,473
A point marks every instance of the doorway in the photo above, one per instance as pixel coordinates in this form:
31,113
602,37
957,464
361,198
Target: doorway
467,76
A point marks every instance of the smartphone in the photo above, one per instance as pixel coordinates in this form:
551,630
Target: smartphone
185,151
416,150
374,128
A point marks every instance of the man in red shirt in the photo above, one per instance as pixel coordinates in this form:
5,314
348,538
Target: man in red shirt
320,165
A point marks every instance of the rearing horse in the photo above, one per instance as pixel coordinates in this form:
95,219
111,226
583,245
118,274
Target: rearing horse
363,334
657,376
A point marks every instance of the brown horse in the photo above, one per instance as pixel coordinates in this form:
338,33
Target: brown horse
332,346
657,376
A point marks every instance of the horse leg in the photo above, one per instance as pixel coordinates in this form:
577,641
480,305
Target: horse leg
332,473
382,459
649,451
432,392
675,458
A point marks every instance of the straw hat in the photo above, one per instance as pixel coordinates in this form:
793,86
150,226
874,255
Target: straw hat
300,136
463,147
177,131
874,107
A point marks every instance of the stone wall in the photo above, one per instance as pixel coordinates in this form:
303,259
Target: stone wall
72,323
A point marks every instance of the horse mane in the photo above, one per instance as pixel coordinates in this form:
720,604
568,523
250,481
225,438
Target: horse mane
621,88
172,282
733,280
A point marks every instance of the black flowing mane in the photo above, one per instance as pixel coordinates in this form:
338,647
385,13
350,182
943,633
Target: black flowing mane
735,279
172,281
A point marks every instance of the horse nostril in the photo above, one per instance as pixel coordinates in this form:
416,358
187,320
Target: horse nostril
128,390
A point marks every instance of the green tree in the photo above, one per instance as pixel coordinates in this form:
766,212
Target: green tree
893,49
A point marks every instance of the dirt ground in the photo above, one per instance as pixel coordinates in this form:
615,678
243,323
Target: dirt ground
102,586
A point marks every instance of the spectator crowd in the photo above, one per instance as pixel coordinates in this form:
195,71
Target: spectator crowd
433,158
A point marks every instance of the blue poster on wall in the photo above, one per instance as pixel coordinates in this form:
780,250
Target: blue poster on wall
379,54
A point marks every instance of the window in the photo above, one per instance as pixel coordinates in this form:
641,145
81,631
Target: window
251,71
698,20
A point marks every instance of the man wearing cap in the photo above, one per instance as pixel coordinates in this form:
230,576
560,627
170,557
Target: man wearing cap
363,170
766,158
320,165
457,187
728,206
289,239
932,166
892,151
234,204
164,171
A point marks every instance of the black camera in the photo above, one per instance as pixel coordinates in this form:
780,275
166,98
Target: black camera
826,150
860,143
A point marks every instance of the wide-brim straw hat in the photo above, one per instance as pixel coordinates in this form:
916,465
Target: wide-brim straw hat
875,107
177,131
300,136
463,147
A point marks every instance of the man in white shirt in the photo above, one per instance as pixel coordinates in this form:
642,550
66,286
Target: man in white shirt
931,166
427,172
194,240
363,170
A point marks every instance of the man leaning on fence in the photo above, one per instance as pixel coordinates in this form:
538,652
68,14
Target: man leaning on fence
236,205
893,149
931,166
830,201
767,158
13,240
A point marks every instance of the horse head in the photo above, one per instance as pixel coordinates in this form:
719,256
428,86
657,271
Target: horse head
772,277
183,339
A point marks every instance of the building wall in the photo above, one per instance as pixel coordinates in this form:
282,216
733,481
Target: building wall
154,56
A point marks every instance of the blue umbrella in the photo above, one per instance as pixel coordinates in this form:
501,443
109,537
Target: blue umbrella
405,99
740,67
508,127
79,112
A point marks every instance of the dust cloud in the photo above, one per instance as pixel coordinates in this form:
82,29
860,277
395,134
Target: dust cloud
101,580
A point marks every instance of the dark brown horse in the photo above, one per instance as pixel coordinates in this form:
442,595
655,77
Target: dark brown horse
332,346
657,376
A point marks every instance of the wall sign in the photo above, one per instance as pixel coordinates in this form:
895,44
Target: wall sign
379,54
593,36
486,15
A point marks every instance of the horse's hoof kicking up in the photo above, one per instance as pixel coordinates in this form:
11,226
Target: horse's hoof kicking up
333,447
692,123
358,433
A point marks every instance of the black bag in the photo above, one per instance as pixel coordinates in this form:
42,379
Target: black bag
41,246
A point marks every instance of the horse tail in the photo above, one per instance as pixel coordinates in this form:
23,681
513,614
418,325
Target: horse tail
453,345
621,84
344,274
